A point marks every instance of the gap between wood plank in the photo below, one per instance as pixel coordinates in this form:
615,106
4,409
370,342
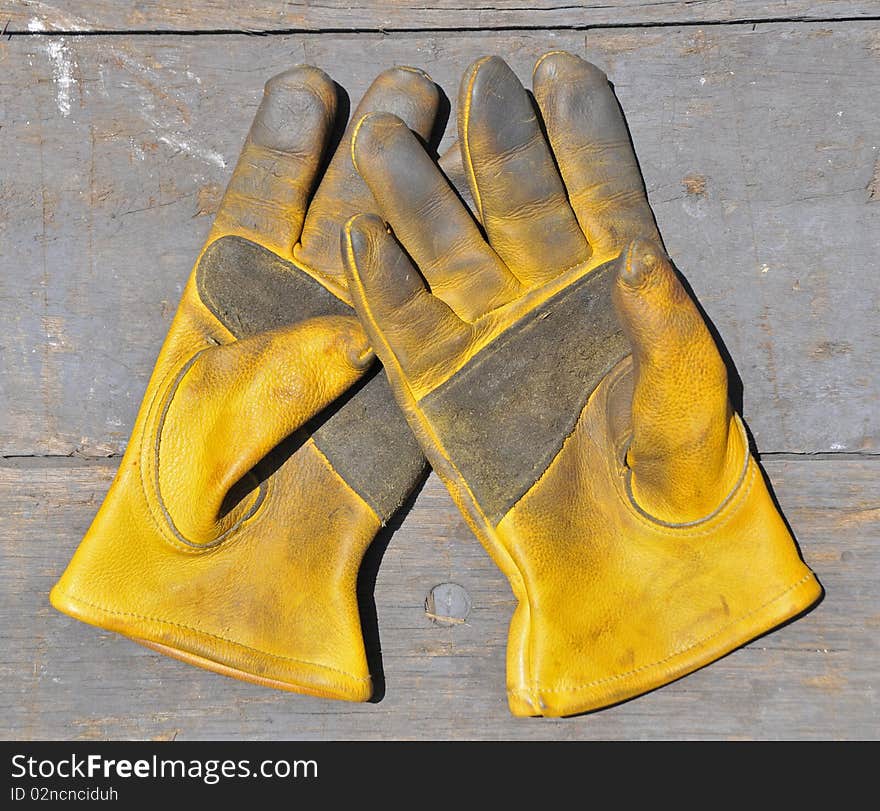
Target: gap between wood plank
60,460
284,32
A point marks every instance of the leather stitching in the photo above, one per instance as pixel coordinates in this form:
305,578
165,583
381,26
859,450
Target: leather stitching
728,511
698,643
131,614
333,470
157,445
725,511
726,501
162,526
325,280
157,524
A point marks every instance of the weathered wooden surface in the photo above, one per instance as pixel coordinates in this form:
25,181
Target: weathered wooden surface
815,678
396,15
759,146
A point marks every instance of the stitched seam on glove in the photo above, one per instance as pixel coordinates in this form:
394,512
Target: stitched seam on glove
157,444
588,685
464,141
325,281
332,469
171,623
717,519
150,482
731,494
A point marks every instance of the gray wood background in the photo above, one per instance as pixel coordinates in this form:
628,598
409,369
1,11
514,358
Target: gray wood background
760,146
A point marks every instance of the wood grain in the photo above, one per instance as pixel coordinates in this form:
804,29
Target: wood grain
396,15
815,678
758,145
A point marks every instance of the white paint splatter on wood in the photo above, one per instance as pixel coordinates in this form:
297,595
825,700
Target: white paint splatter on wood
62,72
197,151
166,129
62,66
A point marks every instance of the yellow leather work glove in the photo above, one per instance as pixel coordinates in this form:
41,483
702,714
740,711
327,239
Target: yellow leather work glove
232,535
564,386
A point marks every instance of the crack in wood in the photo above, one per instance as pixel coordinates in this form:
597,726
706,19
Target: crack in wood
428,29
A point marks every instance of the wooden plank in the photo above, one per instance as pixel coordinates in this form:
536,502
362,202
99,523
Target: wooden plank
395,15
815,678
758,145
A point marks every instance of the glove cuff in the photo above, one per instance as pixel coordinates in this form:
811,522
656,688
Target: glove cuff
562,698
217,654
274,604
616,603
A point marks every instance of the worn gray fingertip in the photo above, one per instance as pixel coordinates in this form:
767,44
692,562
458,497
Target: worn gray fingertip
641,260
296,105
556,65
372,136
358,241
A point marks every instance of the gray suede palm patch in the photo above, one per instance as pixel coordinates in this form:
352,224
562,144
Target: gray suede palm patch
363,435
503,417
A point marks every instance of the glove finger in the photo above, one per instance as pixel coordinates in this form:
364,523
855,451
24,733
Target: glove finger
407,93
680,412
592,146
414,333
429,219
237,401
519,194
267,197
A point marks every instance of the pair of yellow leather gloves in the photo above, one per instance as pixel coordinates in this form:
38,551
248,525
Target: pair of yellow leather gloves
539,350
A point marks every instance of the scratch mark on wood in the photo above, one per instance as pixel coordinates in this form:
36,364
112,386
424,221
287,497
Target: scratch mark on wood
167,736
765,325
694,202
694,184
699,44
163,121
874,184
829,349
825,556
869,515
208,200
62,65
56,340
181,145
830,683
56,18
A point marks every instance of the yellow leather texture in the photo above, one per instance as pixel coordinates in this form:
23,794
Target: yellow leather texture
228,539
645,543
275,604
628,602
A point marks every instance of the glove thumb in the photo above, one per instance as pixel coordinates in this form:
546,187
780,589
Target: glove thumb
686,453
232,404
